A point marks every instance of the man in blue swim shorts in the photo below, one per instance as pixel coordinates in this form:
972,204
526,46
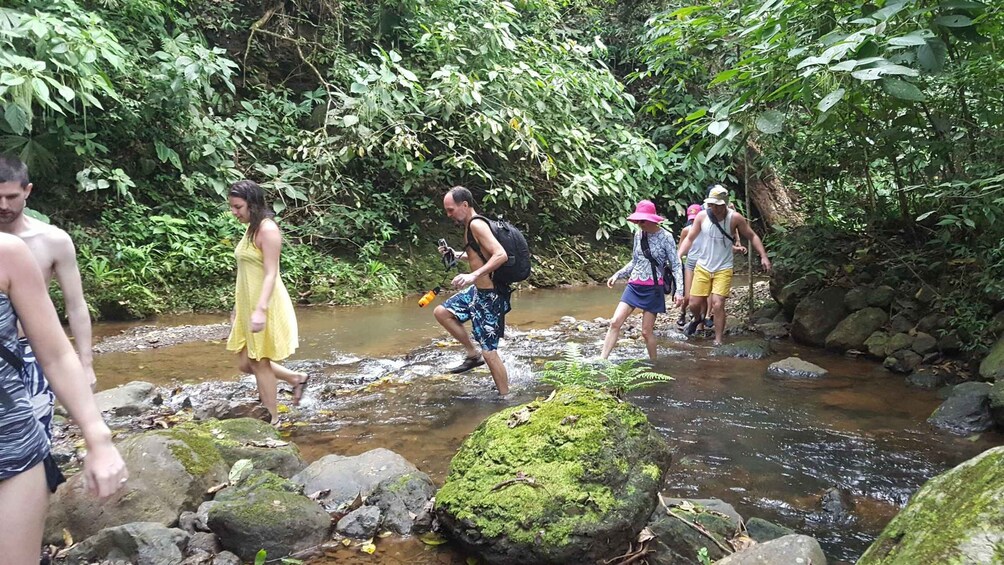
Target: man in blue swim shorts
482,302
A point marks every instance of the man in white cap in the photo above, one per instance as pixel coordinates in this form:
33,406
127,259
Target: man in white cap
713,274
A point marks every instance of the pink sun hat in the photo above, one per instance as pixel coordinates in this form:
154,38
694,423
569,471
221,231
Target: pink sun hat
645,211
693,210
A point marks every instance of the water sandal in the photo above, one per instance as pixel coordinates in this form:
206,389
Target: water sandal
468,364
691,328
681,321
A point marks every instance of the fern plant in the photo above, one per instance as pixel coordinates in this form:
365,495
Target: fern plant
617,379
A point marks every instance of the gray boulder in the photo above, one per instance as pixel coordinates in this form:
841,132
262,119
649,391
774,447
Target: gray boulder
203,542
956,517
226,558
361,523
772,330
856,299
230,409
898,342
141,543
949,343
997,403
966,411
788,549
250,438
927,378
876,345
127,400
933,322
881,296
901,323
793,367
569,479
402,499
817,315
791,294
924,343
265,511
903,361
745,349
761,530
169,472
992,366
347,478
854,330
767,311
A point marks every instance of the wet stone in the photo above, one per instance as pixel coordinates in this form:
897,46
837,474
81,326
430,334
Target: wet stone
927,378
745,349
762,530
897,342
793,367
361,523
924,343
966,411
903,361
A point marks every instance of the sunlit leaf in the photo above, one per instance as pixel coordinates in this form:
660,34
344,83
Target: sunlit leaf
770,122
831,99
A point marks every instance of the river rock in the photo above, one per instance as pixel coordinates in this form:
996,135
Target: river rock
932,322
881,296
347,478
569,479
966,411
876,344
401,499
854,330
761,530
746,349
144,543
791,294
992,366
768,311
817,315
772,330
230,409
856,299
927,378
903,361
203,542
997,403
901,323
249,438
361,523
949,343
956,517
127,400
997,324
791,549
677,542
169,472
707,504
226,558
924,343
793,367
265,511
898,342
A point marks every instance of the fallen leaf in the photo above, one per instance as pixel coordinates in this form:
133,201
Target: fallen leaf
432,538
645,535
67,538
368,547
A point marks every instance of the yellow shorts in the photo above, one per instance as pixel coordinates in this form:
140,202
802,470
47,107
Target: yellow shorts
705,283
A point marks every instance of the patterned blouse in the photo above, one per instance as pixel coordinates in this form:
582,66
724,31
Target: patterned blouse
662,247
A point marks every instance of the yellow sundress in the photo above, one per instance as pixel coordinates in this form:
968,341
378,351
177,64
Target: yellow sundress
279,339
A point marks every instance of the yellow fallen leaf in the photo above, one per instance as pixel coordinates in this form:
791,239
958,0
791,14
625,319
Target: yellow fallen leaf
283,409
346,542
67,538
368,548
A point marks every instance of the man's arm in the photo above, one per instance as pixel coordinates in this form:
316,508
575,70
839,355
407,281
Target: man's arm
695,229
64,267
744,228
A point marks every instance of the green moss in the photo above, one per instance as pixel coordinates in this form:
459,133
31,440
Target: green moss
651,471
949,517
571,466
239,430
196,451
260,509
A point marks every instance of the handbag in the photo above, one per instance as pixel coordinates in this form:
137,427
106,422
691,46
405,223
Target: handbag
668,280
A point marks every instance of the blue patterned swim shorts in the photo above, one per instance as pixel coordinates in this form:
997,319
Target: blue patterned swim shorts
486,308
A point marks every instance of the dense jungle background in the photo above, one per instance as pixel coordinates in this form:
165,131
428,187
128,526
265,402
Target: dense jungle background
861,136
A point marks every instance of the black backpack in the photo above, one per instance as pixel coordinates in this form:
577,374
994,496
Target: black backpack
517,268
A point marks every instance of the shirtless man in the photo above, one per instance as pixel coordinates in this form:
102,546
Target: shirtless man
482,301
53,250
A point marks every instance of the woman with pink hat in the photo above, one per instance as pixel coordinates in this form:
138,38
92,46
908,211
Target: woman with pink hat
653,249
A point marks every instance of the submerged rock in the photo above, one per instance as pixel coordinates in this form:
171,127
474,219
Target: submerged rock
148,543
793,367
569,479
967,410
746,349
956,517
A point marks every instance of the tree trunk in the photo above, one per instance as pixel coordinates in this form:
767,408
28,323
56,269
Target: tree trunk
774,203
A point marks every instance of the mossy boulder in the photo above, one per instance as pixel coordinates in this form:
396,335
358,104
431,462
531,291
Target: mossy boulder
248,438
266,511
169,472
956,517
683,527
569,479
992,366
854,330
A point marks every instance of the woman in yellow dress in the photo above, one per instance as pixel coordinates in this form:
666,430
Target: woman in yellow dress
263,323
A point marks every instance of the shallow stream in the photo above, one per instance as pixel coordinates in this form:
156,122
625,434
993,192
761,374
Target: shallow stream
769,447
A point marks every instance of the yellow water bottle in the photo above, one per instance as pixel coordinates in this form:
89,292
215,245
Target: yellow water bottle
428,297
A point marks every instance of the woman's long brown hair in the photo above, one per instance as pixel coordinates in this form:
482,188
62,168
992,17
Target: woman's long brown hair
250,192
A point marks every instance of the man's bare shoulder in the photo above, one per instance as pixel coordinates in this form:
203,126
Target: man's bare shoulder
46,233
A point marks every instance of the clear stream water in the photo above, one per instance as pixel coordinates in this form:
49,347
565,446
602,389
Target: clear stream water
769,447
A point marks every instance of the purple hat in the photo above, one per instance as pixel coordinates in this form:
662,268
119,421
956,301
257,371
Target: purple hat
645,210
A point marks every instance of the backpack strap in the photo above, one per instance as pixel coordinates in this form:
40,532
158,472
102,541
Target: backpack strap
719,226
14,361
647,252
473,243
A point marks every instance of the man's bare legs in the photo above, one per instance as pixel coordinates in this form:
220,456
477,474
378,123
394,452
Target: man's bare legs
621,313
718,311
457,330
499,373
648,333
27,497
688,280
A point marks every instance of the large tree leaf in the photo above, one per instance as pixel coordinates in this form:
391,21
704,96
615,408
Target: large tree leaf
962,5
770,122
931,56
716,128
831,99
17,118
954,20
903,90
908,40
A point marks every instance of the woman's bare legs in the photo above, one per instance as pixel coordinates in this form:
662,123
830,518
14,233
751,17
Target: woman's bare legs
292,377
620,314
26,496
648,333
